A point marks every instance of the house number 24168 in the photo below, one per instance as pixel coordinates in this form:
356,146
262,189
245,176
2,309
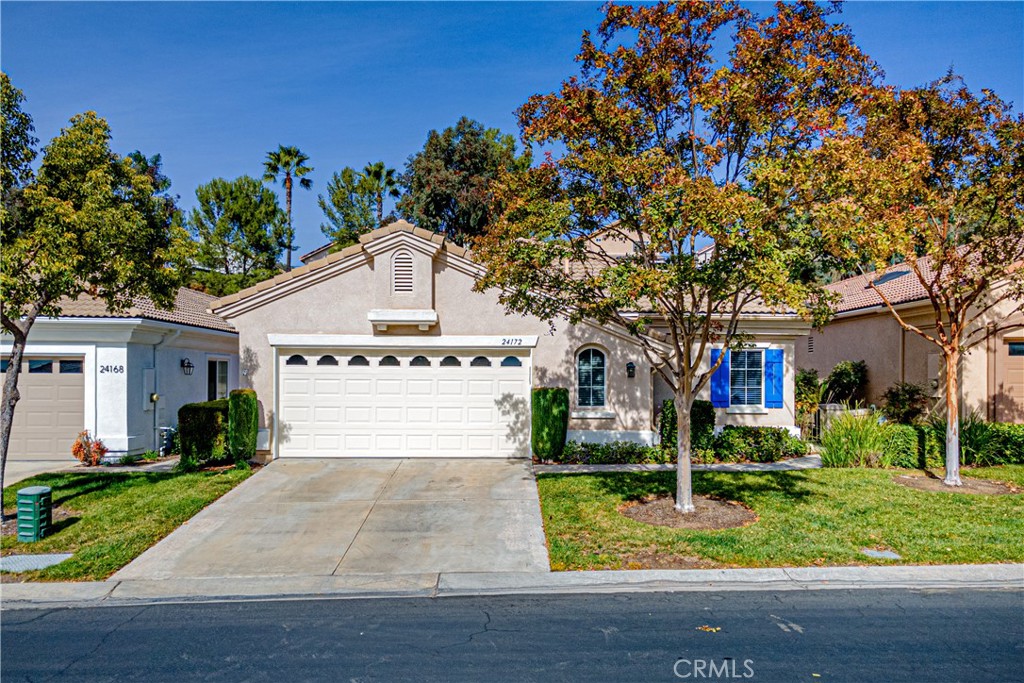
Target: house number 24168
116,369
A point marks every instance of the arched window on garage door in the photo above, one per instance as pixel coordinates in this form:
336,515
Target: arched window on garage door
450,362
327,360
480,362
389,361
296,360
511,362
358,360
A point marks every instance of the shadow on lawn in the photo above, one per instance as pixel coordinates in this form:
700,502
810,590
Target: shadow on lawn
742,487
70,485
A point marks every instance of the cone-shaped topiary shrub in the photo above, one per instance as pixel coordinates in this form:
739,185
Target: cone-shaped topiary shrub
550,421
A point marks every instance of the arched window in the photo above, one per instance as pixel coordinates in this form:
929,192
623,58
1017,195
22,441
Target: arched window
590,378
480,362
296,360
450,362
401,272
389,361
419,362
327,360
511,362
358,360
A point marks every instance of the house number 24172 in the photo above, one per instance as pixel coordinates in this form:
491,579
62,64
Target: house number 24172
116,369
512,341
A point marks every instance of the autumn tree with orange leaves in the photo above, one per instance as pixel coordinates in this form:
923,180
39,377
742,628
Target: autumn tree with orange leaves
659,143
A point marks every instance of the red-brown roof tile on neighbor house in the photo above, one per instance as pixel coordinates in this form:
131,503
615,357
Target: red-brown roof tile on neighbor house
190,308
898,283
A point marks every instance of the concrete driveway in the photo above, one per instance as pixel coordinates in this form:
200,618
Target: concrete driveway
319,517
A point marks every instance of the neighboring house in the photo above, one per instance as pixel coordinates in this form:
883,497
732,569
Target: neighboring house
992,375
92,370
317,254
384,349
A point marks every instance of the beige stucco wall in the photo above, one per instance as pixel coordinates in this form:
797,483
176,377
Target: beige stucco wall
335,299
896,355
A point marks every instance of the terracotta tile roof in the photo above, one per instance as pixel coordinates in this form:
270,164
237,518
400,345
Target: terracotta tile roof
190,308
898,283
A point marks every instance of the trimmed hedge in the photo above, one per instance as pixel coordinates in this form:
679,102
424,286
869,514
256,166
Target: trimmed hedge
756,444
243,424
614,453
201,427
702,425
550,422
1007,446
901,447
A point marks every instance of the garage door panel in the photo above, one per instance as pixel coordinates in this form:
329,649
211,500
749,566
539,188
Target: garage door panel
50,414
404,410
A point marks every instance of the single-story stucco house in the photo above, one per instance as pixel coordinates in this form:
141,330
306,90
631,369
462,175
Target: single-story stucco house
384,349
121,377
992,375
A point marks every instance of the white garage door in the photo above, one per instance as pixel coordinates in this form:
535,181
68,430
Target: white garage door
404,403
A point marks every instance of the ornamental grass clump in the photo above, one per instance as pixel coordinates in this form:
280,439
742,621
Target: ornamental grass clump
853,439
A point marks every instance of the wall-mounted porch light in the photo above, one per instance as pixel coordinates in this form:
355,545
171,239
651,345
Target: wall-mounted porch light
186,366
631,369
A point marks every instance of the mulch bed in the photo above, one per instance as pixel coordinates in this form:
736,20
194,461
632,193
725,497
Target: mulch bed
711,513
981,487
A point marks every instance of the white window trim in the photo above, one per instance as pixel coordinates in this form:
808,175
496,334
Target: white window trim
590,412
749,408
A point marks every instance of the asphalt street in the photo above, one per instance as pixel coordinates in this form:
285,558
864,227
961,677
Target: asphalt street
814,636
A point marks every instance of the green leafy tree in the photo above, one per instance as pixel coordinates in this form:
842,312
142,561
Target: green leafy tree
664,149
93,226
288,165
348,207
939,188
240,233
17,151
447,183
382,182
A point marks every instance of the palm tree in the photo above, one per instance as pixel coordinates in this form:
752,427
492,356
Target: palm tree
383,181
287,164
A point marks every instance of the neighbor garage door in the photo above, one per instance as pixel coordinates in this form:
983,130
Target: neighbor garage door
51,411
408,403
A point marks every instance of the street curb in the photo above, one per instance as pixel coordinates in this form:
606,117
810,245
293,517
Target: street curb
462,584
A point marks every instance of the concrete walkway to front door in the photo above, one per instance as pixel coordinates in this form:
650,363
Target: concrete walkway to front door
322,517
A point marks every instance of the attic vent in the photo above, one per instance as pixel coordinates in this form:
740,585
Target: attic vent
401,272
810,343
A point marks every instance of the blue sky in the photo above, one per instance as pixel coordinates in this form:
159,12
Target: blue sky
214,86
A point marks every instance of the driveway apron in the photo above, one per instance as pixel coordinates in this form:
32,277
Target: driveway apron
321,517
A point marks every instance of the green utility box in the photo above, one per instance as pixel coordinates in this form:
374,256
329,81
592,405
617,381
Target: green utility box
35,513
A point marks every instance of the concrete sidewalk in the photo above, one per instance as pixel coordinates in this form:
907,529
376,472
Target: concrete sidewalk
450,584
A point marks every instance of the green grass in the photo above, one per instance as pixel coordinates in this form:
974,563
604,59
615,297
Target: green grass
807,518
117,515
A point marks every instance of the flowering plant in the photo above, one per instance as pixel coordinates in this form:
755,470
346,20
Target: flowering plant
87,450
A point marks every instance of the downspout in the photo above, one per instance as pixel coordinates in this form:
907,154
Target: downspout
167,338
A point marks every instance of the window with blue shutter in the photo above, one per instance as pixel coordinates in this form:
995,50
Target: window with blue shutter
773,378
746,378
720,381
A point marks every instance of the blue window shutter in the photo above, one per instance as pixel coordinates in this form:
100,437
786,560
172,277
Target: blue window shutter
773,378
720,381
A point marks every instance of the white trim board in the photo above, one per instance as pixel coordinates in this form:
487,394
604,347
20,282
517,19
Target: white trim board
366,341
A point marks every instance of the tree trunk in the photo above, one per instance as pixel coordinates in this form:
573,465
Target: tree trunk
952,420
380,208
10,399
291,233
684,476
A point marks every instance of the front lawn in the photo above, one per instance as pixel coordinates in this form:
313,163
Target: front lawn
809,517
114,516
